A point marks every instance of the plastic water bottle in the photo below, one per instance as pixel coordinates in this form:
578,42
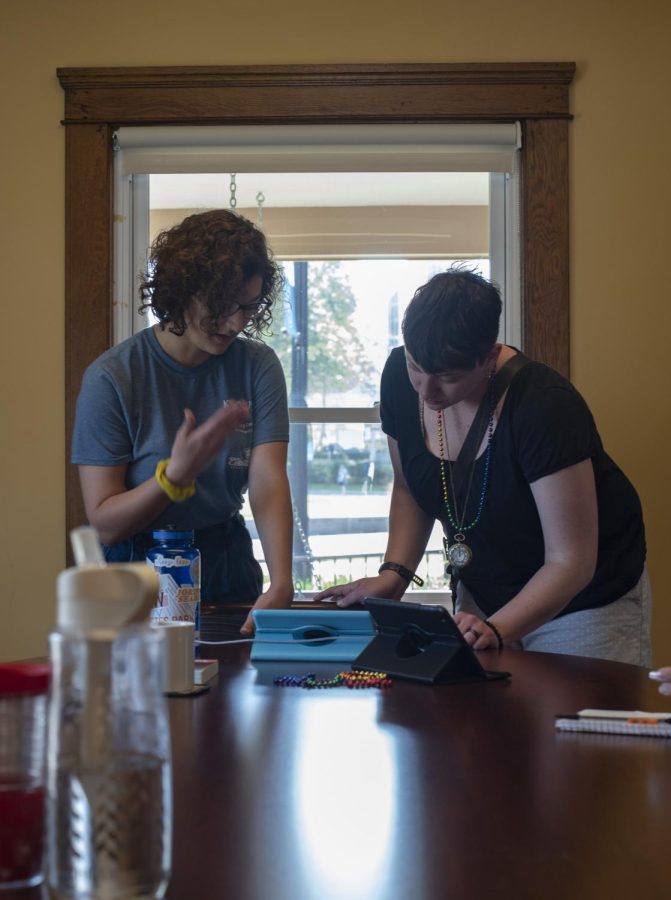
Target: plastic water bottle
176,561
109,795
109,810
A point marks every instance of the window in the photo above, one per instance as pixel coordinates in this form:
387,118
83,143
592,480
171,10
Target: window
98,101
392,206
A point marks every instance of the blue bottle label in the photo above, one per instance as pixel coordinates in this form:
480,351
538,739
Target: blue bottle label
179,587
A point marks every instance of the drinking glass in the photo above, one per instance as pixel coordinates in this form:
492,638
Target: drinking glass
23,699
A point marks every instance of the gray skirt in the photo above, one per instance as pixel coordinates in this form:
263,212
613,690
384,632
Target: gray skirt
619,631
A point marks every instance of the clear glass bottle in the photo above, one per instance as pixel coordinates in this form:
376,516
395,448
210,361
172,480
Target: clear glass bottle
109,810
23,701
176,560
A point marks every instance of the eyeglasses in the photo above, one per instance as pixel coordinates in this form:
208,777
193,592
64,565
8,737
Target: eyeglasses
249,309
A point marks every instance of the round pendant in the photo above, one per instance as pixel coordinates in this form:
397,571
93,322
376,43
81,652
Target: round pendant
459,554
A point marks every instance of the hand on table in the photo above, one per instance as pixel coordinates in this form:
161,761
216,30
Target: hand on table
477,634
195,446
354,591
663,675
273,598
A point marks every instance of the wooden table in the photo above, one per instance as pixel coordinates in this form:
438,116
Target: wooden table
418,792
457,792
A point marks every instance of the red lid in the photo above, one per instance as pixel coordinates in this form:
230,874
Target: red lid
24,678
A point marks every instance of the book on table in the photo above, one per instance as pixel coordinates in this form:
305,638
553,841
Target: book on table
204,670
617,721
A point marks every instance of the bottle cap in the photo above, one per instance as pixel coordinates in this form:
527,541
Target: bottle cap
105,597
171,534
23,679
93,595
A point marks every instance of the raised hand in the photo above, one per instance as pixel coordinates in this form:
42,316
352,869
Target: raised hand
195,446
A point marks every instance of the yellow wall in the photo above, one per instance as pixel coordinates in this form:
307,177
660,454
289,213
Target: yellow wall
620,207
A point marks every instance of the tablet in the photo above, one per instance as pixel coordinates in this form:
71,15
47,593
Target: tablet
311,634
421,642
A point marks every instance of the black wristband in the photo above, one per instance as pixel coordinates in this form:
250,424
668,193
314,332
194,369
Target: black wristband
403,572
496,631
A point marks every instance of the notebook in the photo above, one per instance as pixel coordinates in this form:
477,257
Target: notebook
617,721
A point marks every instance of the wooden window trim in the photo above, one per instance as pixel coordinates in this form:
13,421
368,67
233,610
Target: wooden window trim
97,100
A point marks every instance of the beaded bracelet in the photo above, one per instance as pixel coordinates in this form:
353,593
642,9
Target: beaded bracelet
176,492
496,631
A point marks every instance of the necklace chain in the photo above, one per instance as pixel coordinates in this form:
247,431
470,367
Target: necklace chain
456,521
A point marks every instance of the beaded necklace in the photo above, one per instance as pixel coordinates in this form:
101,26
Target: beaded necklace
356,679
459,554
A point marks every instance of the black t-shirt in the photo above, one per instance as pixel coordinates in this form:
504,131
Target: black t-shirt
545,426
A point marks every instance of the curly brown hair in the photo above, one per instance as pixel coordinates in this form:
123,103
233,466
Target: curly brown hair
208,257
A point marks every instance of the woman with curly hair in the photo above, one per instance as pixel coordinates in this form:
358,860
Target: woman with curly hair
177,421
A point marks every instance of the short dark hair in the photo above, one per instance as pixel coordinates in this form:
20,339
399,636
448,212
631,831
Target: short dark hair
452,321
208,257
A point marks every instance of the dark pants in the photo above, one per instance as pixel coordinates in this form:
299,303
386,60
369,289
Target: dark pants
228,571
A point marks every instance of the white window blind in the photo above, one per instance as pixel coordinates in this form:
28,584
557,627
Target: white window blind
319,148
434,208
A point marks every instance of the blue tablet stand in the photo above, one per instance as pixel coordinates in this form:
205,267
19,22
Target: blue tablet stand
311,635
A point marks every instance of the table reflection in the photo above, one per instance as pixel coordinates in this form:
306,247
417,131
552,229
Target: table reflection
345,796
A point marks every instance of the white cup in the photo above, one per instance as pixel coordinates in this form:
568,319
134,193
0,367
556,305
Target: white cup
178,651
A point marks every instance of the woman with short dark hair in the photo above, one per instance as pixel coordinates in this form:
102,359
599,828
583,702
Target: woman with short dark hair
544,536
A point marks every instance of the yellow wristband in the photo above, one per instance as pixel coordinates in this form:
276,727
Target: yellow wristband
176,492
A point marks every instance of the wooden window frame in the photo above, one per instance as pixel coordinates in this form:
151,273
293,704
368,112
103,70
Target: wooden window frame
98,100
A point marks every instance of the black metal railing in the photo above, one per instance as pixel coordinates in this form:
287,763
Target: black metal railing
318,572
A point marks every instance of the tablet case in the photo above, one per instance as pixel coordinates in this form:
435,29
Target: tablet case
421,642
311,634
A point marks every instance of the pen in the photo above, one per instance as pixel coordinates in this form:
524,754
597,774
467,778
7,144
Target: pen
632,720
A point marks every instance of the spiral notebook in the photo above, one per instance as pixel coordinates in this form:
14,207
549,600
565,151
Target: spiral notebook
617,721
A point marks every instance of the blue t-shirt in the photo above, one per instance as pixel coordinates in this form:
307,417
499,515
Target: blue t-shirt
132,402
